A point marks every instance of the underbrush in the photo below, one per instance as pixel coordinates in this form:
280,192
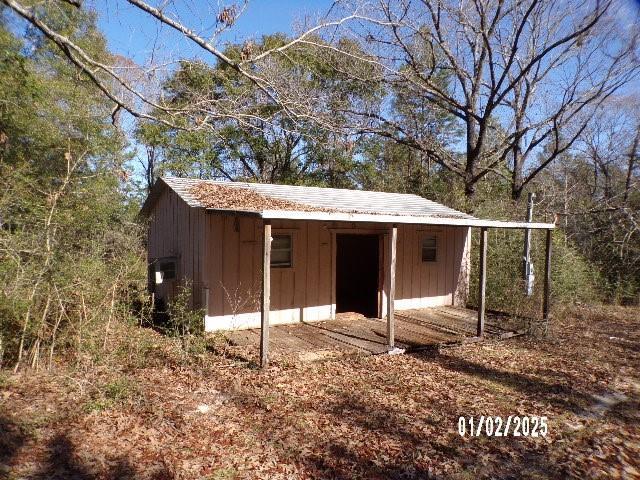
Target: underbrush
127,336
184,323
115,392
573,279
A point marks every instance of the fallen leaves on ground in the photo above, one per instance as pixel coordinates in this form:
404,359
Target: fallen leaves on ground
355,417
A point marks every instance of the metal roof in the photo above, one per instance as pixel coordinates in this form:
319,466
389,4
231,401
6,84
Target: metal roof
349,205
360,201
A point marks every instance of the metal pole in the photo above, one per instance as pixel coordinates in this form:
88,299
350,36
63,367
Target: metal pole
547,278
527,265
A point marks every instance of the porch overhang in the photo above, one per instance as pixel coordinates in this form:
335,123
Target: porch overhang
383,218
267,216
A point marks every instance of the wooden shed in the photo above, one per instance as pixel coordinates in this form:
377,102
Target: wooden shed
262,254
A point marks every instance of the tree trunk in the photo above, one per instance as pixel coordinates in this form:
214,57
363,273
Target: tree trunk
516,180
518,158
472,158
469,189
632,160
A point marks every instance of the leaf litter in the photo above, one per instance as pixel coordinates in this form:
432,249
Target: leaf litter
355,417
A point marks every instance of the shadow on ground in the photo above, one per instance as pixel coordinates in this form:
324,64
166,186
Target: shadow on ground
60,461
557,394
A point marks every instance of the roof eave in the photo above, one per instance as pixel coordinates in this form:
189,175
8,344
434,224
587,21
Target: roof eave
152,197
225,211
376,218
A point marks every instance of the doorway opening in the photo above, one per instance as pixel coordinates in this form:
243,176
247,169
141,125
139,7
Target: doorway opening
357,274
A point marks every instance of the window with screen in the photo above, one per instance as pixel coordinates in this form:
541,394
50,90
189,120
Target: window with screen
281,251
429,248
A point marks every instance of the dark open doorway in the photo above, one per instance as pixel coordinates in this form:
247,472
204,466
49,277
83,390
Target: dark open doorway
357,258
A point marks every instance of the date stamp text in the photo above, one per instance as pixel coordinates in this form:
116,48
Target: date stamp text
513,425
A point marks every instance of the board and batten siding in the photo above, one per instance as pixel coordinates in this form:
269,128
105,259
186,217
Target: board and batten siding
223,254
176,230
232,273
306,291
430,284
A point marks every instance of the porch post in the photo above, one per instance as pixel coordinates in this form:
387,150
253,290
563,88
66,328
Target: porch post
392,286
547,278
482,283
266,294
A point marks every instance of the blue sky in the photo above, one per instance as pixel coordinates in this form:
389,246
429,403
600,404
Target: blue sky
136,35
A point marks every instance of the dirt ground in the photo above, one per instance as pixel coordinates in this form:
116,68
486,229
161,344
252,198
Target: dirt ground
340,418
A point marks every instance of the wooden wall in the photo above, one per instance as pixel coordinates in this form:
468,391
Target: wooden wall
306,291
428,284
232,273
177,230
222,254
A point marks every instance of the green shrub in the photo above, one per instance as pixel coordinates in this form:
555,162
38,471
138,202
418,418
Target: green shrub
185,322
573,279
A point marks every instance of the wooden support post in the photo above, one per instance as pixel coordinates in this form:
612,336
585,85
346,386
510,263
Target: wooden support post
547,278
266,295
391,285
482,283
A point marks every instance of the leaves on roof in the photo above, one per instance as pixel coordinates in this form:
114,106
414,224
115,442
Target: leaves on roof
226,197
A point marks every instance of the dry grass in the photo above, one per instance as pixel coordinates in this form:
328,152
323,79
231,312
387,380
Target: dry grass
370,417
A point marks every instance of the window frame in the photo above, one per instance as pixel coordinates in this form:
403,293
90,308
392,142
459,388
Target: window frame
156,267
290,249
435,248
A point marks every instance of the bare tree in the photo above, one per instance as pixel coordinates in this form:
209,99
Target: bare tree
609,144
255,65
521,77
632,163
518,75
596,189
264,87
